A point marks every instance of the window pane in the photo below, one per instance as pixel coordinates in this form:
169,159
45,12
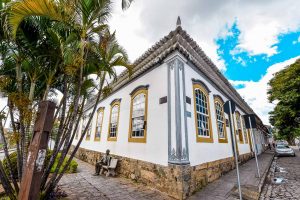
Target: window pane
138,115
99,124
220,119
114,121
202,113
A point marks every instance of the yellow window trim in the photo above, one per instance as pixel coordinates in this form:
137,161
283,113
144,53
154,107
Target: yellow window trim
97,139
240,131
111,107
201,138
221,102
141,139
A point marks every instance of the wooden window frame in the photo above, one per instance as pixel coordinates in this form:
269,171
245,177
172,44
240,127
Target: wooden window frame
240,131
113,104
141,90
221,102
203,89
101,109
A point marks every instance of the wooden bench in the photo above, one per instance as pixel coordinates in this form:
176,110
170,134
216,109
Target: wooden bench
111,167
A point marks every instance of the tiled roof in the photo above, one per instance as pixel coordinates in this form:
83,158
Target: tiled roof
178,39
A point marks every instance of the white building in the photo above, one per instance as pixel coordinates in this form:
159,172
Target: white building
166,123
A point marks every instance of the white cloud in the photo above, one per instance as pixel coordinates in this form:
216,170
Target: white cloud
255,93
260,23
297,41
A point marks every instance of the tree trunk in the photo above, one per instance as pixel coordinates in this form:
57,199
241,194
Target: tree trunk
52,185
31,92
19,157
73,116
5,183
7,157
58,136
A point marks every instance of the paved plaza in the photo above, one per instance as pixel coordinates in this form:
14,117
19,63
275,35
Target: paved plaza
83,185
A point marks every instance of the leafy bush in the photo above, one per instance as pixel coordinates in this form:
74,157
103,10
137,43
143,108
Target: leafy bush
72,168
13,158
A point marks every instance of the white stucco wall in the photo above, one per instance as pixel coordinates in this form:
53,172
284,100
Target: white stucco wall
201,152
155,149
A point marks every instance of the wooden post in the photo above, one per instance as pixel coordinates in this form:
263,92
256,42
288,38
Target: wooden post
31,181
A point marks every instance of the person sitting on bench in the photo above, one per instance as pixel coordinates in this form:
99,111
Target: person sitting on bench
104,161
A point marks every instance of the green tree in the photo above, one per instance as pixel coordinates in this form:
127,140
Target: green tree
50,46
285,90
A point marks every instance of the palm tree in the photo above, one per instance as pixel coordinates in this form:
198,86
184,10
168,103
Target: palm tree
56,46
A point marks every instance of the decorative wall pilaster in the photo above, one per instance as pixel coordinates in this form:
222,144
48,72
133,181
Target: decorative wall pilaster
177,122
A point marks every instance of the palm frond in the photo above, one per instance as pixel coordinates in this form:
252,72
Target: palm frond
19,10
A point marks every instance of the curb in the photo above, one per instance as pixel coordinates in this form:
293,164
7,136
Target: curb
263,179
252,192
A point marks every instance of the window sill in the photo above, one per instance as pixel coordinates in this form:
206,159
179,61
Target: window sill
137,140
112,139
204,139
223,140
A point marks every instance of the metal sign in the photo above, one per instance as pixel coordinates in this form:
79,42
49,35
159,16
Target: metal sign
227,107
252,120
31,181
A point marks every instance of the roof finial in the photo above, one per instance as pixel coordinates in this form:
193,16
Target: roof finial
178,23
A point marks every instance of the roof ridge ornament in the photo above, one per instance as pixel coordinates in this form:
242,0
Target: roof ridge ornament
178,23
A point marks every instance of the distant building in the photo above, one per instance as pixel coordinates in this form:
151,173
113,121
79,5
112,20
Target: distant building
166,123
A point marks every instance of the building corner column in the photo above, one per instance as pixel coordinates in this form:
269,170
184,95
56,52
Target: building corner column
178,151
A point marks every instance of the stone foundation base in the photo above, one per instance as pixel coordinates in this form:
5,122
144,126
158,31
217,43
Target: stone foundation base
178,181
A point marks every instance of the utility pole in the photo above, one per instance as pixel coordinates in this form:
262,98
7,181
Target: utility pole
31,181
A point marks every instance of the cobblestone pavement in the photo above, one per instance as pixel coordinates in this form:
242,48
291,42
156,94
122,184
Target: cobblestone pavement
290,171
83,185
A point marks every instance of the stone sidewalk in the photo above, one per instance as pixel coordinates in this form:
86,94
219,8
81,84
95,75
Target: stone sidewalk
226,186
83,185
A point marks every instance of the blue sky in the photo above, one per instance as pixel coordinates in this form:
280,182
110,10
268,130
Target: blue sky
242,66
248,41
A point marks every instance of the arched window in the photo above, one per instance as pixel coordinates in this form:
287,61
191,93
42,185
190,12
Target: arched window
99,122
239,126
220,119
114,121
138,115
202,114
